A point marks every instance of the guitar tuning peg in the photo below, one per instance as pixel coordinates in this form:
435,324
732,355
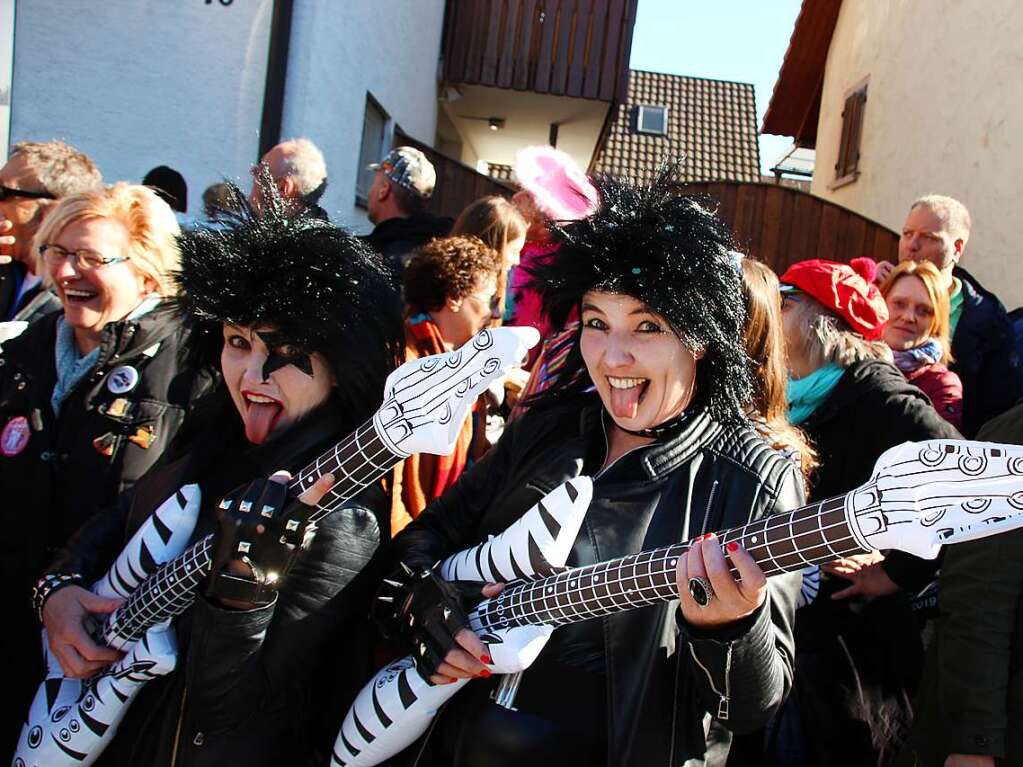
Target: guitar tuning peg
396,585
406,568
385,598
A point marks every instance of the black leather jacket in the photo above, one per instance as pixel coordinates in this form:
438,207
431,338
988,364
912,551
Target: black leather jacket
663,676
248,684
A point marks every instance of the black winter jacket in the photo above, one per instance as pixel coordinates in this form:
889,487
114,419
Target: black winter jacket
859,660
396,239
246,687
985,355
59,478
712,478
61,473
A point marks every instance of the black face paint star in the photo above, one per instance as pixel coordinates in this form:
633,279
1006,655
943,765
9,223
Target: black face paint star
277,359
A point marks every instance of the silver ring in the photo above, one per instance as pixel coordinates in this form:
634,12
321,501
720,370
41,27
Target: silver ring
700,590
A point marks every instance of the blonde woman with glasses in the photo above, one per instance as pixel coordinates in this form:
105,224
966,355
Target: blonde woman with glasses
90,396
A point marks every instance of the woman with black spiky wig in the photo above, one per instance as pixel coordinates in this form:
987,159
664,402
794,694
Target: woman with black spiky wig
303,324
651,403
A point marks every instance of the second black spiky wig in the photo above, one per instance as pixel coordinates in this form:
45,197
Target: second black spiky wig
317,285
674,255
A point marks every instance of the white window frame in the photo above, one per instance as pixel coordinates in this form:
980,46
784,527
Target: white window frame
641,111
386,140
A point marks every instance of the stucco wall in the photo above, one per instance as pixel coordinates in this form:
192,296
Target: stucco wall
139,84
341,50
944,114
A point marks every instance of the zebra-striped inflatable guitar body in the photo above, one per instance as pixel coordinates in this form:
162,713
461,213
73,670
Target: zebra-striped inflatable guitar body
69,718
920,497
535,545
425,403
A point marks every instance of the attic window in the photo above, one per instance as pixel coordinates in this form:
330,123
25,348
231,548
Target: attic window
652,120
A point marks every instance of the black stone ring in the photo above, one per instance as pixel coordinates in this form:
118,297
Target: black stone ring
700,590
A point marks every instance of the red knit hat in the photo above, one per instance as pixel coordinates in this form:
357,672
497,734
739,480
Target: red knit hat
847,290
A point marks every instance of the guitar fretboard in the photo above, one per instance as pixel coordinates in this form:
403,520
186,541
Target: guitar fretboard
787,542
356,463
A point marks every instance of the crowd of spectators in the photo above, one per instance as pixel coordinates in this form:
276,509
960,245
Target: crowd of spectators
98,376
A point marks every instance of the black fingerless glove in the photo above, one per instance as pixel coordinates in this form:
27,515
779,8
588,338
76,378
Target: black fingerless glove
428,610
265,530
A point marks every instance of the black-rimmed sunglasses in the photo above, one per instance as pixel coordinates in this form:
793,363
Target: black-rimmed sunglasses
6,193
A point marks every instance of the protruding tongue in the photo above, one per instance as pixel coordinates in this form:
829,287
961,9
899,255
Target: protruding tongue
625,402
259,419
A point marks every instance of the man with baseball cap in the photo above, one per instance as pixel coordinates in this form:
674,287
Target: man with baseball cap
396,204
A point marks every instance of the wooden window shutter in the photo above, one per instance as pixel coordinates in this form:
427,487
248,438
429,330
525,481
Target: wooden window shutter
852,131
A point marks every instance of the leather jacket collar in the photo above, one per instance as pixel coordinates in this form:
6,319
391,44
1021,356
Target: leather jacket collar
664,455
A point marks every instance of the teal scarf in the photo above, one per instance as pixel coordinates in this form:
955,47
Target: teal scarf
807,393
72,366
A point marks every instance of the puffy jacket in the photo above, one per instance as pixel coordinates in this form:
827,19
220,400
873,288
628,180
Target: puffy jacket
663,676
943,388
985,356
52,471
244,691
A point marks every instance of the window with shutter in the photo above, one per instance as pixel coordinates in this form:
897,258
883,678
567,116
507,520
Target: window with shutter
847,166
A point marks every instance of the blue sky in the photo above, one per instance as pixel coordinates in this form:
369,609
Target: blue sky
742,40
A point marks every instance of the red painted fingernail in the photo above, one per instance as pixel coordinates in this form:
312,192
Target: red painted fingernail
451,680
733,546
710,535
486,659
485,673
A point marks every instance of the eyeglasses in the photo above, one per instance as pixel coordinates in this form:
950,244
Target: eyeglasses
6,193
84,259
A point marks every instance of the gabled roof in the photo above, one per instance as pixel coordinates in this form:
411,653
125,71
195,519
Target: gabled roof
796,101
712,123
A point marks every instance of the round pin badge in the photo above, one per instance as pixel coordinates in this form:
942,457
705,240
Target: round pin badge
122,379
14,437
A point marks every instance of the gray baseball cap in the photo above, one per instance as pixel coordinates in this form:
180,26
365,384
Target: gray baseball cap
407,167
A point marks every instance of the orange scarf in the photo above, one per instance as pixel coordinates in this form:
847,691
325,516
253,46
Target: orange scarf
422,477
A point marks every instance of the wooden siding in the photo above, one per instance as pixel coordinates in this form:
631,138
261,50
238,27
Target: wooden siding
457,184
780,225
562,47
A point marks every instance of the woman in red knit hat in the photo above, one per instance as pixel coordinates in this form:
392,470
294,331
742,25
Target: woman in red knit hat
859,644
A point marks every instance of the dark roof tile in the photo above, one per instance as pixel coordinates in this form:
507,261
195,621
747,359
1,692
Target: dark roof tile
711,122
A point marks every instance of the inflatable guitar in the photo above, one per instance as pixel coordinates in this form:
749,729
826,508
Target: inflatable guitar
425,403
920,496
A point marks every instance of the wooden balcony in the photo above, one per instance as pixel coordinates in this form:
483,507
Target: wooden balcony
577,48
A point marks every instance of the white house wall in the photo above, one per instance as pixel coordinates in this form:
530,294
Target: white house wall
944,114
137,84
342,49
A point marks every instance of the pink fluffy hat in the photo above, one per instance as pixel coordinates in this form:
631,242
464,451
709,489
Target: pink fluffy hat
559,187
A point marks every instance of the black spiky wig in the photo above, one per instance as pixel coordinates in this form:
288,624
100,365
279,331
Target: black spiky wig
673,254
317,285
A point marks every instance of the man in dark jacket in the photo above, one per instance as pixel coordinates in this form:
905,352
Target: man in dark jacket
35,175
985,357
396,203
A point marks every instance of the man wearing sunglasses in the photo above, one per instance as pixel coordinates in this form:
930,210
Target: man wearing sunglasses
35,175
